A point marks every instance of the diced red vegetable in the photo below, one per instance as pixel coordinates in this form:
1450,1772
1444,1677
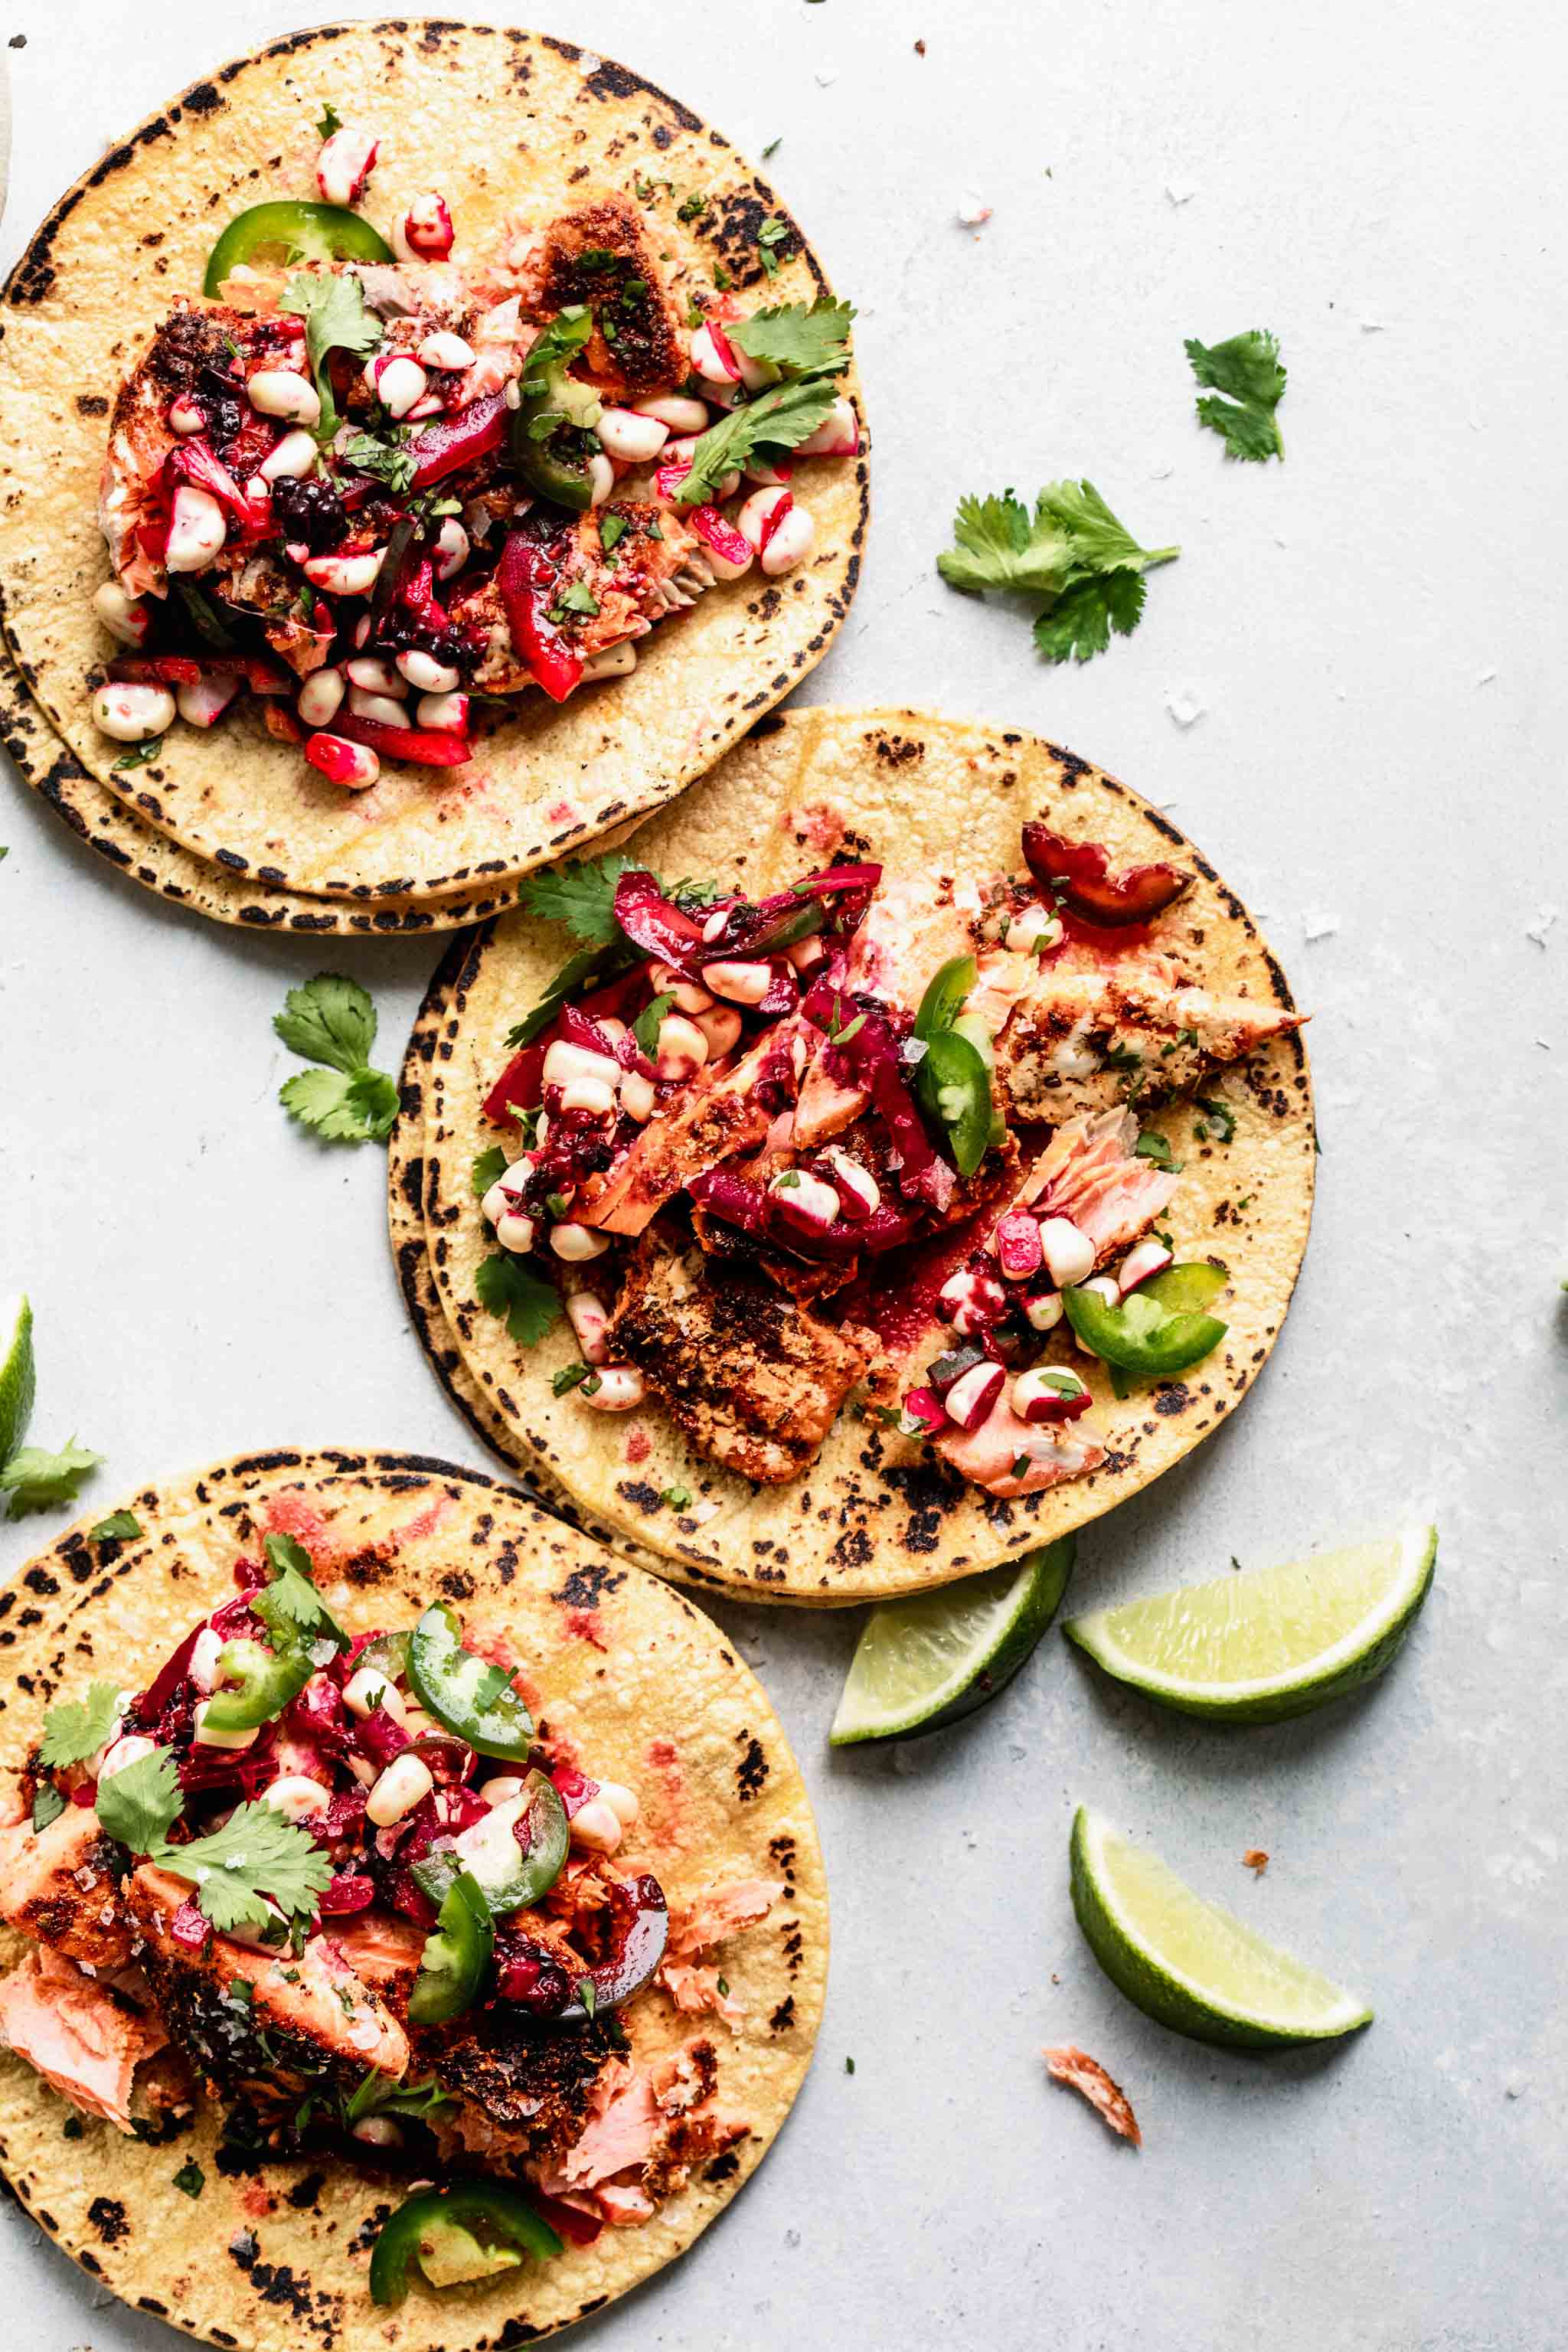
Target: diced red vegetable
522,1082
279,720
579,1028
1018,1244
567,2221
1080,873
155,670
925,1406
418,747
191,1926
654,923
347,1890
527,579
459,439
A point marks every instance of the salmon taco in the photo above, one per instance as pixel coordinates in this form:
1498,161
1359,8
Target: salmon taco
468,455
874,1171
412,1916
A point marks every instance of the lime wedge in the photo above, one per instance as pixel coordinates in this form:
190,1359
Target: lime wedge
1187,1963
19,1377
1273,1642
922,1663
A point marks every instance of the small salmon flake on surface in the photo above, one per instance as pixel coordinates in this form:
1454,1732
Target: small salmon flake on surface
639,1445
1087,2075
1255,1859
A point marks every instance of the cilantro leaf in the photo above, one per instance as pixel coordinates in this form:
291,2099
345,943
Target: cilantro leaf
328,1020
588,964
77,1727
330,120
581,894
1072,554
190,2179
1152,1145
140,1806
387,463
780,418
336,320
256,1853
645,1028
504,1286
48,1806
37,1480
999,546
384,2095
800,341
332,1020
488,1167
1078,624
290,1605
143,754
120,1526
1246,369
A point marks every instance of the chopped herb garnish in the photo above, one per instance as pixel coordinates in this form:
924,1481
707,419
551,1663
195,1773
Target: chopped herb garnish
612,530
1218,1122
190,2179
141,753
677,1497
504,1286
47,1805
557,1204
1020,1465
488,1169
1152,1145
645,1027
569,1376
1071,555
1246,368
120,1526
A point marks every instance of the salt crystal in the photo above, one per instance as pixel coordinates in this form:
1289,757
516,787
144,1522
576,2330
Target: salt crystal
826,80
1184,705
1372,326
1541,925
1163,471
972,212
1486,676
1516,2084
702,1513
1180,192
1320,927
589,62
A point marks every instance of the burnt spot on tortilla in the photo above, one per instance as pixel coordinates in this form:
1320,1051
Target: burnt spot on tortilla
305,2193
752,1771
639,1491
1172,1398
91,403
783,2016
609,80
586,1586
723,2168
107,2216
457,1584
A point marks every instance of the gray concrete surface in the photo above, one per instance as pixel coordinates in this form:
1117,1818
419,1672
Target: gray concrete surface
1372,634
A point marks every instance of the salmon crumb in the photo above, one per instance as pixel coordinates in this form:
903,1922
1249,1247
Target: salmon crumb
1255,1859
1087,2075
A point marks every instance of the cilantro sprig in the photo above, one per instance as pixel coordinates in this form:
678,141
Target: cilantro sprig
581,894
33,1479
332,1021
1246,369
335,319
810,349
290,1607
256,1855
1072,555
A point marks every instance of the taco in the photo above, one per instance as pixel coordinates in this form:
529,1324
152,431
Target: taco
364,1829
469,453
914,1158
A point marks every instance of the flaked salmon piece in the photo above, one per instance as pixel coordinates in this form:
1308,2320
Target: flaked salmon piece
306,2015
631,592
718,1117
60,1885
1008,1456
619,2139
600,256
914,924
720,1912
623,2204
1077,1038
382,1951
1090,1173
71,2030
1086,2074
697,1992
749,1380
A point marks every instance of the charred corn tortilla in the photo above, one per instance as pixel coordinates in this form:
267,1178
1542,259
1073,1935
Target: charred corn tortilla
497,120
113,831
637,1660
874,1516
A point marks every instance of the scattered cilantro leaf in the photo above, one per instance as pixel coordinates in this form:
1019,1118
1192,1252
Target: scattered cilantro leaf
1072,553
332,1020
120,1526
290,1605
801,342
1152,1145
48,1806
612,530
1217,1123
37,1480
77,1727
140,754
677,1497
1247,369
488,1167
569,1377
381,459
190,2179
645,1028
384,2094
335,319
579,598
773,147
504,1286
595,964
330,120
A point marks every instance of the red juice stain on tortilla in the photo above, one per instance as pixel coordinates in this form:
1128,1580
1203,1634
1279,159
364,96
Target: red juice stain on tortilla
639,1445
292,1515
561,812
819,826
664,1763
583,1624
424,1523
1108,939
257,2200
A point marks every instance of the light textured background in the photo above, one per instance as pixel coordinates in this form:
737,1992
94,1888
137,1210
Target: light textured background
1369,636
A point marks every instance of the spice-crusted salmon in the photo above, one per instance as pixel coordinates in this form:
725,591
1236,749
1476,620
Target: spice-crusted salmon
86,2040
59,1884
